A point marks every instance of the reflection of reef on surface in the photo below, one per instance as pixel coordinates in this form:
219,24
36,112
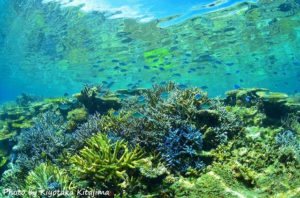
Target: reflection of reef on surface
168,141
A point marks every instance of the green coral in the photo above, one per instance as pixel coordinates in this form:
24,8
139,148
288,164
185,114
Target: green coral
250,115
76,117
104,162
41,178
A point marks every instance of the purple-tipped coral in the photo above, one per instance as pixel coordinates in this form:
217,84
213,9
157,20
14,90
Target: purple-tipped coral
84,132
181,149
42,142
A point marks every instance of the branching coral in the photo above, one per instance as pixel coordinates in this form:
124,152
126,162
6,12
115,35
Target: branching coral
164,107
291,122
104,163
287,143
84,132
181,149
219,124
43,141
172,100
46,178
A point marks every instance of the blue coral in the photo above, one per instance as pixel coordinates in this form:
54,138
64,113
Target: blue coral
42,142
181,149
288,141
84,132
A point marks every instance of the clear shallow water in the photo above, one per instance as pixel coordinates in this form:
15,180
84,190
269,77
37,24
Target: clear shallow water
193,144
48,48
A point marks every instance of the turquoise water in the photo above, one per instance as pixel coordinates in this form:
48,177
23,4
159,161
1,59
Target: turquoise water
149,99
49,49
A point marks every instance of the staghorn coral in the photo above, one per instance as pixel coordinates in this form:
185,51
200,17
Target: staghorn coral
13,178
42,142
288,143
47,178
85,131
158,113
218,123
105,164
181,149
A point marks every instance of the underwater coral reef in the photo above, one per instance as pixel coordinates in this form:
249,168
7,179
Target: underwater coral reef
167,141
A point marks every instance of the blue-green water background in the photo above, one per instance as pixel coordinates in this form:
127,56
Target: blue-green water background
49,49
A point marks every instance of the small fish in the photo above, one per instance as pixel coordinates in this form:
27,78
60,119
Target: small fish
248,99
101,70
95,66
142,102
177,75
64,107
116,113
116,68
66,94
74,100
236,86
141,98
230,64
146,67
110,84
122,96
137,115
164,95
204,87
155,60
205,106
123,70
198,96
237,71
182,86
